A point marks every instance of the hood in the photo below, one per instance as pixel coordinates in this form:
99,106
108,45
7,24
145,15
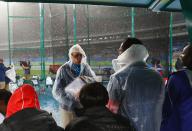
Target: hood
133,54
24,97
77,48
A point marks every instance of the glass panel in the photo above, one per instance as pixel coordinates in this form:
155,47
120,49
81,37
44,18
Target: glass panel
99,30
180,39
153,29
27,9
109,26
25,37
4,52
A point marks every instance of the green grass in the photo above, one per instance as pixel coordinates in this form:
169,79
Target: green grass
38,72
101,63
33,72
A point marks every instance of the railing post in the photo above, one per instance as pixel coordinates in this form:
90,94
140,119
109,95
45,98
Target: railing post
42,46
66,29
171,43
74,24
88,33
9,34
132,22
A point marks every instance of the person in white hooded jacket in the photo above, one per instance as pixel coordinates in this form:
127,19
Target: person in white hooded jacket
135,91
67,73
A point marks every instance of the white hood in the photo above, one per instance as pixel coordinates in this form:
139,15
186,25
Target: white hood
133,54
77,48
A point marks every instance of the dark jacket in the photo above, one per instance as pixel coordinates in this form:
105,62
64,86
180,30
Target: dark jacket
24,114
100,119
2,72
177,107
30,120
3,77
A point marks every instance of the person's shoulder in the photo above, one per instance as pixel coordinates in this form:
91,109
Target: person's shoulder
46,115
3,127
115,75
2,67
121,72
179,72
65,66
59,129
48,119
78,124
178,75
152,72
125,122
124,72
86,66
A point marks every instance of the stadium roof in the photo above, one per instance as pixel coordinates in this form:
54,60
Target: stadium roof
156,5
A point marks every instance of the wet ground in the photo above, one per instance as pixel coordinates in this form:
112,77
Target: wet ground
49,104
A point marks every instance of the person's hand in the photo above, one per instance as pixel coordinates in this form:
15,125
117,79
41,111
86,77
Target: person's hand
113,106
77,96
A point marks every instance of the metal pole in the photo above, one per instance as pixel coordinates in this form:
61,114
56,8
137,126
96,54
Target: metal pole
171,43
51,41
132,22
75,24
88,34
9,34
66,30
42,46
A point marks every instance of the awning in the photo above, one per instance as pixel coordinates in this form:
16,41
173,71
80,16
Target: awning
156,5
132,3
166,5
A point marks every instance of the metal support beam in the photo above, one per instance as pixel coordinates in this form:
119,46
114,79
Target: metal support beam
42,46
9,34
66,30
132,22
88,34
171,43
75,24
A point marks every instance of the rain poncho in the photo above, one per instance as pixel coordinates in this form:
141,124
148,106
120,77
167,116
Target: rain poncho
65,75
137,89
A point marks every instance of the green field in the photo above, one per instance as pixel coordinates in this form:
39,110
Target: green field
33,72
101,63
38,72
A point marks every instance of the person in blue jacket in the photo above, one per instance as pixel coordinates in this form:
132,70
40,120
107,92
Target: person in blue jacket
177,108
4,80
